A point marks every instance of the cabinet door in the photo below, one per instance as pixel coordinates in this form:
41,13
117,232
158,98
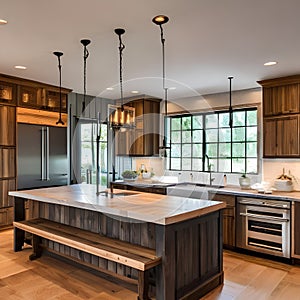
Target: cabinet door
288,136
5,187
7,162
296,230
270,137
228,218
7,93
27,96
289,98
271,106
7,125
6,217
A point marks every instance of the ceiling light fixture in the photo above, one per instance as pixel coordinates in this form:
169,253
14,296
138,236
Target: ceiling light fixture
59,54
20,67
85,56
121,117
110,89
134,92
3,22
270,63
160,20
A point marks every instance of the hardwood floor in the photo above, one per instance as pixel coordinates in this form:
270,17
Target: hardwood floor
47,278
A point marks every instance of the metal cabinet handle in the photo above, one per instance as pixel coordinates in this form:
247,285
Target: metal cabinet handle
264,217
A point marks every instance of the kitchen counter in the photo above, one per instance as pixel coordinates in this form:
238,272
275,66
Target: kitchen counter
145,207
185,233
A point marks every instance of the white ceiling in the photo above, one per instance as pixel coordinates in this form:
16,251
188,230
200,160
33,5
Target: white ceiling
206,41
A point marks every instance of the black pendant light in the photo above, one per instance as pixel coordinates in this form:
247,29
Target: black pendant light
123,116
160,20
230,102
59,54
85,56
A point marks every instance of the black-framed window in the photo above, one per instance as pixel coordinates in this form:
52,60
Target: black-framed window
230,150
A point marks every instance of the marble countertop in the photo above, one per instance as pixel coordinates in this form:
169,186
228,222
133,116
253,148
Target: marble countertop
144,207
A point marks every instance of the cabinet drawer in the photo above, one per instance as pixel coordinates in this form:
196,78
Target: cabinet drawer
228,199
6,216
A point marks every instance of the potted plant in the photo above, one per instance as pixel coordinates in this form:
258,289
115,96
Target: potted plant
129,175
244,181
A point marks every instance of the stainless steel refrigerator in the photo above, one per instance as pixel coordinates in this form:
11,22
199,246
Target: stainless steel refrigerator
42,156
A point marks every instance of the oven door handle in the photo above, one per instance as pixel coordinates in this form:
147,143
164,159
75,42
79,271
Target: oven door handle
264,217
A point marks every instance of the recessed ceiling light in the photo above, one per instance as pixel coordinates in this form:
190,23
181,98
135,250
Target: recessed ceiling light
110,89
3,22
21,67
172,88
270,63
134,92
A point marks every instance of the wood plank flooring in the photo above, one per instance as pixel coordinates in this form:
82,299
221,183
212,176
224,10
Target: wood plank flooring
47,278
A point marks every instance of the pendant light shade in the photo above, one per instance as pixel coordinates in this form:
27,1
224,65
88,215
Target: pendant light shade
121,116
58,55
160,20
86,53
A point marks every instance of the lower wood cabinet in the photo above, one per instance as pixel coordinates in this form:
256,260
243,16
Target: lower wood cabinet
144,189
296,230
6,217
228,218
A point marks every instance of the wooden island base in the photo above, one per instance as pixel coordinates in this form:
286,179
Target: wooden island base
186,256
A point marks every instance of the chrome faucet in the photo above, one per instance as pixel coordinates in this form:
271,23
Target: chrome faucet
209,170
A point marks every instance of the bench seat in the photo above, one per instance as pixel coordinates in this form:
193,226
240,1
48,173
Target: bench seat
131,255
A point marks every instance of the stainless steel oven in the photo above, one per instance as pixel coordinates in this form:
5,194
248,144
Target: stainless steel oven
264,225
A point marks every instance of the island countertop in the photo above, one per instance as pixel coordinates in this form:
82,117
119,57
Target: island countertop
145,207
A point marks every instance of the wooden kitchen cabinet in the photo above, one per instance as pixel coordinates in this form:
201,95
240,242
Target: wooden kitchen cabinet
229,218
296,230
281,111
7,125
281,136
7,93
143,140
281,100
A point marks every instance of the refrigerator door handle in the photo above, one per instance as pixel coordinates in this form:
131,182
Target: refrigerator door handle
45,154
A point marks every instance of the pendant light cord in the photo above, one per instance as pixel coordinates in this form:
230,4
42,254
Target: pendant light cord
59,54
121,48
85,56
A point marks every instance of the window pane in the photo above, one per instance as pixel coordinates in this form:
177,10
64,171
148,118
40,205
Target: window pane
186,150
252,149
176,136
197,136
198,122
252,117
238,165
186,123
175,164
197,150
224,120
225,165
176,150
252,133
225,150
186,164
186,136
211,150
239,118
238,134
225,135
176,124
196,164
238,149
251,165
211,135
211,121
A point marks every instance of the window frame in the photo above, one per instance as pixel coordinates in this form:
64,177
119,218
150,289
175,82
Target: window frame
204,167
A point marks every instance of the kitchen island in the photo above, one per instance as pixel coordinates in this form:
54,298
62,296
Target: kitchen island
185,233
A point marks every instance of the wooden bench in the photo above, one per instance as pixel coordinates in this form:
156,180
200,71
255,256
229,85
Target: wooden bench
134,256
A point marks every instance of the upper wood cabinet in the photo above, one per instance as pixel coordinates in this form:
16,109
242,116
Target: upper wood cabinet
7,93
143,140
281,112
280,100
281,136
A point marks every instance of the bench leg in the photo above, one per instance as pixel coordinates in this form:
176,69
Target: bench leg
143,285
37,249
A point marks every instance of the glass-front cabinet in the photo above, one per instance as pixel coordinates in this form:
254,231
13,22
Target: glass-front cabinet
7,93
